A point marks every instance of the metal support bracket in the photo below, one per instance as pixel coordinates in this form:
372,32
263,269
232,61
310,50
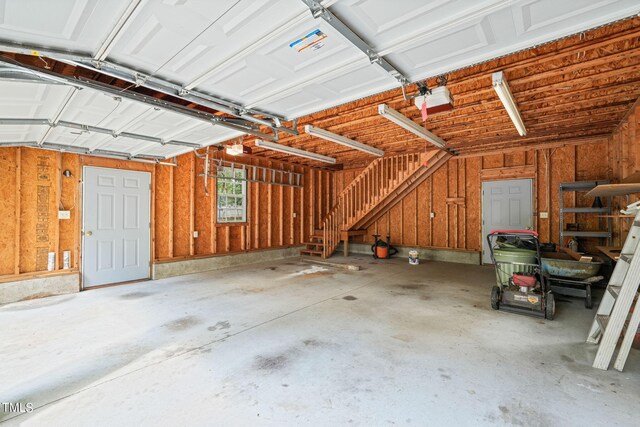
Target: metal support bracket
151,82
319,11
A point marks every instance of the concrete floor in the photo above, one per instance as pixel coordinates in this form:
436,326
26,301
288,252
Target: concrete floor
290,343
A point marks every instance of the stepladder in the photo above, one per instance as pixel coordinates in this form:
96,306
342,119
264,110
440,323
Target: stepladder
619,305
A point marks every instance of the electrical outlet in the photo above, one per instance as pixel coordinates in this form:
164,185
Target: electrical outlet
195,234
432,215
64,214
295,214
544,215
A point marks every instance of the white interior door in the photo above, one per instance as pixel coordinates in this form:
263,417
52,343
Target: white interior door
506,205
116,226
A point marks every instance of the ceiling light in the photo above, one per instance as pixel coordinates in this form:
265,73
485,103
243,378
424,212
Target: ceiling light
501,87
339,139
294,151
392,115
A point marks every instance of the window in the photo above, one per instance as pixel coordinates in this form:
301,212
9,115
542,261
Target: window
232,195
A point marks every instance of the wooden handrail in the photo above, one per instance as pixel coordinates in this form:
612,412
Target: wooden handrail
379,179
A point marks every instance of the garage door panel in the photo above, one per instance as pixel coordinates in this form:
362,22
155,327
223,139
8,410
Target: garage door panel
75,25
277,66
240,29
162,29
30,100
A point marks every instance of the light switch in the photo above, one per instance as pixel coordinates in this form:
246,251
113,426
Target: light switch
544,215
432,215
64,214
195,234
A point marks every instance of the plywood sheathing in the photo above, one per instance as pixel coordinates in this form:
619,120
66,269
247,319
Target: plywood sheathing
39,190
9,210
179,207
453,194
624,163
164,212
270,210
69,239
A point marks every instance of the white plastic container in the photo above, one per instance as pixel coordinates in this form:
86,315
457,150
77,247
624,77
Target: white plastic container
414,257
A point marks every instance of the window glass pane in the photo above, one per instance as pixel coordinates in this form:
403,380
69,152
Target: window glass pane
232,195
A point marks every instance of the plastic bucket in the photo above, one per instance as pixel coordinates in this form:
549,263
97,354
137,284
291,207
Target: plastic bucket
382,252
507,255
414,258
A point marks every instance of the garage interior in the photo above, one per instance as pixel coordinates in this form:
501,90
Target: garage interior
276,212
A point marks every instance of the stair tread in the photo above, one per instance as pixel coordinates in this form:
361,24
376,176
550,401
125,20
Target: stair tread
310,252
313,243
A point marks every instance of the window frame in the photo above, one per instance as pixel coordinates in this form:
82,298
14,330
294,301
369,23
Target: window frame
223,193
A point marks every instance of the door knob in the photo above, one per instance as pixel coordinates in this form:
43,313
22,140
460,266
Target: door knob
88,233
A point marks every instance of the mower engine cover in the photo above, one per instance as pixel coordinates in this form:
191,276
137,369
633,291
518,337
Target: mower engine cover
524,279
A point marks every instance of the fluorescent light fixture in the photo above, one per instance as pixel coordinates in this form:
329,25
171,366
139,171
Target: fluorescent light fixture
294,151
339,139
404,122
501,87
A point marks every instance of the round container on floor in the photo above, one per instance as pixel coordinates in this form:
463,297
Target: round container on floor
414,258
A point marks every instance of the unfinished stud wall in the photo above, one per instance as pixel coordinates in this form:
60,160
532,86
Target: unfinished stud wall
453,194
624,147
277,216
624,162
33,190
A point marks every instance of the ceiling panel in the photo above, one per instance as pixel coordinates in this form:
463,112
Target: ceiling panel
440,37
230,38
86,106
75,25
161,29
278,66
22,133
31,100
339,87
166,151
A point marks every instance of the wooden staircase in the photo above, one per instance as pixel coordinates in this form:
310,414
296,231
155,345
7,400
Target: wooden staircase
315,245
372,192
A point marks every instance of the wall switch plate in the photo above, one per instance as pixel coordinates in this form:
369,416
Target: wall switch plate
432,215
295,214
544,215
64,214
195,234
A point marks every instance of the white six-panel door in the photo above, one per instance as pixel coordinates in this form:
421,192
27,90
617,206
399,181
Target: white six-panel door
116,226
506,205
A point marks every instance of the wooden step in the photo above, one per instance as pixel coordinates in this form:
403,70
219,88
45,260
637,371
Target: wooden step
310,252
313,243
316,236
